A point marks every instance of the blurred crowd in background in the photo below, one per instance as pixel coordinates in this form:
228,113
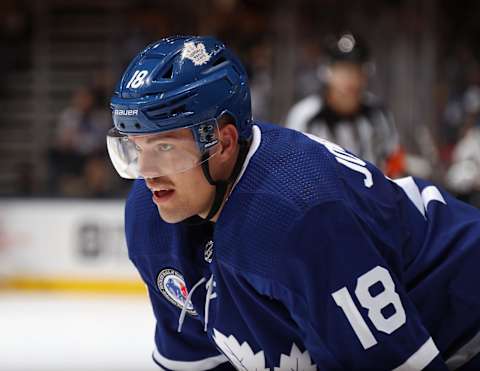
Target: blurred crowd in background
60,61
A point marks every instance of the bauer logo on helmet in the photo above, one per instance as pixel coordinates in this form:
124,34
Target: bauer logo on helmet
125,112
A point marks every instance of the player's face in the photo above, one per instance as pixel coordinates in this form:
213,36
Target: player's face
181,195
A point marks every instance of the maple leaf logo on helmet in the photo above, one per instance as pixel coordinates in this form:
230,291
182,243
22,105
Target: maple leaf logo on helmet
196,53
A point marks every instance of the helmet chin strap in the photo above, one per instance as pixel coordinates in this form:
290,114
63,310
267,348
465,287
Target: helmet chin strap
221,186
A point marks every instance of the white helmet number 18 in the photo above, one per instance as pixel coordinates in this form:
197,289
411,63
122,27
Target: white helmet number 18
137,79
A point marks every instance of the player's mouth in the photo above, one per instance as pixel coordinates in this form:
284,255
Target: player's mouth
162,195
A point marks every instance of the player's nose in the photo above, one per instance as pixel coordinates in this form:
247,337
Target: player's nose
147,166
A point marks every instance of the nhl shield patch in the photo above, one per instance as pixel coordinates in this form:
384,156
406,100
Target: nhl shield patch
172,285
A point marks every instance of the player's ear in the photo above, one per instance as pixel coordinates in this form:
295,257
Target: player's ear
228,141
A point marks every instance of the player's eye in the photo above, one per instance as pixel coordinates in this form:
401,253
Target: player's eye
137,147
164,147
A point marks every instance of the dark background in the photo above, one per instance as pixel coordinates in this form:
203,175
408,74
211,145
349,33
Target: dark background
426,54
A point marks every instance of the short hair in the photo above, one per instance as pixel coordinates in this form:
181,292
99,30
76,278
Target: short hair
225,119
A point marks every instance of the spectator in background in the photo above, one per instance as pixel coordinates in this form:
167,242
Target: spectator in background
463,176
463,119
461,111
77,161
344,113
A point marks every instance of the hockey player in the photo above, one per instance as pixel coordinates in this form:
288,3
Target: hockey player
267,249
345,113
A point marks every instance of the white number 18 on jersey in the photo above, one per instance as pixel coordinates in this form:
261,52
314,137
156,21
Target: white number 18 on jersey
374,304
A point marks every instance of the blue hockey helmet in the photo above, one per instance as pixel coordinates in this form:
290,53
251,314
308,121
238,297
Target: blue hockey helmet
178,82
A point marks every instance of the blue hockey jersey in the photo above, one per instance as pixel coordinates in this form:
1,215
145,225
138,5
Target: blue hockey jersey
317,262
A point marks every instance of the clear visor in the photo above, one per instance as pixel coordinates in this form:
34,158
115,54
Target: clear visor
161,154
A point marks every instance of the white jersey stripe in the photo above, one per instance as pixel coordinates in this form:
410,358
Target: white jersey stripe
465,353
421,358
256,140
431,193
410,188
419,199
203,364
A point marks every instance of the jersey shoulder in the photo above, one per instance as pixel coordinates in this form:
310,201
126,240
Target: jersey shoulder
286,176
291,168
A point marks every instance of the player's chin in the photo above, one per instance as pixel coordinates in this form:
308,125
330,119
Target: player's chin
173,216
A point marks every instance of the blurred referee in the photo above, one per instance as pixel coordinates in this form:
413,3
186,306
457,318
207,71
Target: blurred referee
344,113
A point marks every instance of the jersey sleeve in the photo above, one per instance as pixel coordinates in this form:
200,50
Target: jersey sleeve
346,293
188,350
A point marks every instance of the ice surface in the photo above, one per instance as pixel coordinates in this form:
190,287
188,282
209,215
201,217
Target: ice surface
59,332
